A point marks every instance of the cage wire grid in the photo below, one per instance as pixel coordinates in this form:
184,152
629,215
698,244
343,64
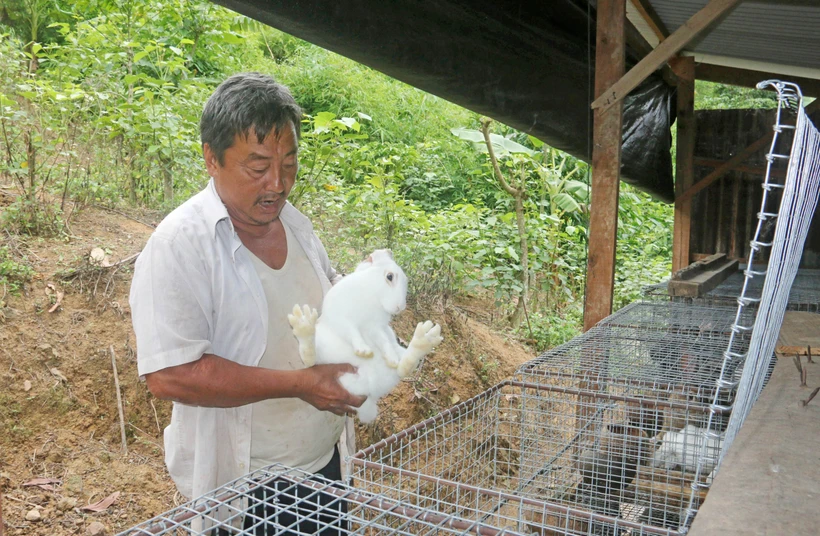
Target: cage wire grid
588,447
300,503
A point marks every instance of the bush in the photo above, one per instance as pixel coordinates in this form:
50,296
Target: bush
13,274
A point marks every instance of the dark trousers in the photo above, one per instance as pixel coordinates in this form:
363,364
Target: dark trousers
283,508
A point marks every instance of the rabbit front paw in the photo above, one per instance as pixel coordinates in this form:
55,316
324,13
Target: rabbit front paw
426,337
303,321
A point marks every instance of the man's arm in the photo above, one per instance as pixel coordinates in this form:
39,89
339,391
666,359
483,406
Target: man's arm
212,381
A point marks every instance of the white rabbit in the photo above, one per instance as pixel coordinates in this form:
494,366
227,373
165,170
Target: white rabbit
355,328
683,449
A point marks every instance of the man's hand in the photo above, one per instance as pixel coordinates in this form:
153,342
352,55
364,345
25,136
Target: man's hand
323,391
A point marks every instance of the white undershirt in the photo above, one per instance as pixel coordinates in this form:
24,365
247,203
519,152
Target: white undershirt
289,430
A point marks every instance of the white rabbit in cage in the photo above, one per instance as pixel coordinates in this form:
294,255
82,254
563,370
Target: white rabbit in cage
355,328
682,449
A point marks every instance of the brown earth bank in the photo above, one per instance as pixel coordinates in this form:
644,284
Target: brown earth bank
58,406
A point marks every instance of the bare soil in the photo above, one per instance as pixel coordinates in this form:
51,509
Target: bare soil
58,406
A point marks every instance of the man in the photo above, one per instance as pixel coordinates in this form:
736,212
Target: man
210,298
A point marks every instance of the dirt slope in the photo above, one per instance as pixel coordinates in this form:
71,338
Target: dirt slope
58,408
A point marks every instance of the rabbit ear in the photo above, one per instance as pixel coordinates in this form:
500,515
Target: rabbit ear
369,259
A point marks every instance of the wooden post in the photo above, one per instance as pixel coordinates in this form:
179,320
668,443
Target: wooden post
684,68
606,164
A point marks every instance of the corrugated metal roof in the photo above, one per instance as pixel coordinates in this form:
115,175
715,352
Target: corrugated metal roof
782,33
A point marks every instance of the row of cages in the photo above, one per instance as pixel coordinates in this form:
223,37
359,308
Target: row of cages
804,295
599,436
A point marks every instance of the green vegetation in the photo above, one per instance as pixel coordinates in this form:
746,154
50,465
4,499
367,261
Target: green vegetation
13,273
100,102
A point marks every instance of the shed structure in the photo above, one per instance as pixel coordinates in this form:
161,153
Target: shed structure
585,75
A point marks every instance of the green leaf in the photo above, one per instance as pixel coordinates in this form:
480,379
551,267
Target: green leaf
535,141
501,145
566,203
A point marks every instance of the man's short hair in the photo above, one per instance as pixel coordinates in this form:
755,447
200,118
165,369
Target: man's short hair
243,102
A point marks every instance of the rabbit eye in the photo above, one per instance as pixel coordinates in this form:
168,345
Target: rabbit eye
390,277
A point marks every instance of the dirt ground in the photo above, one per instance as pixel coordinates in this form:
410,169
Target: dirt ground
58,406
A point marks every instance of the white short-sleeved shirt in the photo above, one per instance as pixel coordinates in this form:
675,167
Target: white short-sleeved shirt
195,291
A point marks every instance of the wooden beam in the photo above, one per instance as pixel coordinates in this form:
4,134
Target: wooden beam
709,262
747,78
760,171
651,18
684,68
606,164
696,280
670,46
727,166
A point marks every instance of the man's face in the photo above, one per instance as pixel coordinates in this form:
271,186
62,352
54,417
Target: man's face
256,178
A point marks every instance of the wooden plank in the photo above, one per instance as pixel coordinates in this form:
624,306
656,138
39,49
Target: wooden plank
696,268
748,78
670,46
651,18
799,331
703,282
684,68
606,164
671,494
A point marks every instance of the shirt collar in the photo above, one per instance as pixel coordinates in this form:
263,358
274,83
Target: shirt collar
215,212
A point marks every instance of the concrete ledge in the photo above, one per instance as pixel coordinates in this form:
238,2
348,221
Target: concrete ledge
769,483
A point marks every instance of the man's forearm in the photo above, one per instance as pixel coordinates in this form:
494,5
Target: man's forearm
213,381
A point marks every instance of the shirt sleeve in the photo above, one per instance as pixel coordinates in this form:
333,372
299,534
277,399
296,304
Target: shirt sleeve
331,272
170,306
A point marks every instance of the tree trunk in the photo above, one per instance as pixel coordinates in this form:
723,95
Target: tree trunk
519,194
520,308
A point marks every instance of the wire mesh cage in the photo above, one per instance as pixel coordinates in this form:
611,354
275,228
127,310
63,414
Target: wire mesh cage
607,426
278,500
543,458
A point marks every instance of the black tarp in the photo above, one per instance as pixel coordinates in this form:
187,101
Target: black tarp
523,63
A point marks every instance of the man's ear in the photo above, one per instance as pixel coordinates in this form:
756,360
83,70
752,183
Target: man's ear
211,162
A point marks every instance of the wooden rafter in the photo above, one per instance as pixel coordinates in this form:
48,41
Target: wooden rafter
699,22
641,46
651,18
